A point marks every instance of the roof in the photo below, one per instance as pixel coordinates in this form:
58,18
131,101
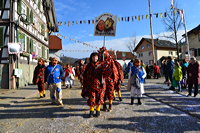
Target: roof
121,54
196,30
158,43
55,43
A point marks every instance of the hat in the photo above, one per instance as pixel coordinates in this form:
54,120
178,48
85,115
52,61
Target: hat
193,58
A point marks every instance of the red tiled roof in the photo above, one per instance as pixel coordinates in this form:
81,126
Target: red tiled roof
55,43
121,55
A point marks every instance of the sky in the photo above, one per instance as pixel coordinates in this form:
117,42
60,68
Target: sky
76,10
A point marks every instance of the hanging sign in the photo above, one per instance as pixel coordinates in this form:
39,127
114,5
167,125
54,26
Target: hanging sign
14,48
105,25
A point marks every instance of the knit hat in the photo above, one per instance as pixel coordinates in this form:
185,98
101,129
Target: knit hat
193,58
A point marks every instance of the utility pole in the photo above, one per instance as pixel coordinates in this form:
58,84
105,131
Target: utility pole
186,35
151,30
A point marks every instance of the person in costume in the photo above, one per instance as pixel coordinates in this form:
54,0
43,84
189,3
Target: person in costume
92,87
110,76
136,81
38,77
81,71
120,80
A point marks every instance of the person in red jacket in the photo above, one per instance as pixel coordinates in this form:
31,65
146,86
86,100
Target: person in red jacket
69,76
156,71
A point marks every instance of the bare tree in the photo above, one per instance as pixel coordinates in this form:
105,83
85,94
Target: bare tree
173,23
132,43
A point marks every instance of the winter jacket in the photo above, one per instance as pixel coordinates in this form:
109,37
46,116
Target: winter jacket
140,72
169,68
53,75
177,75
194,70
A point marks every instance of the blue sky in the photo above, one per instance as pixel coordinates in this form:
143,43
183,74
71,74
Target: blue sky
72,10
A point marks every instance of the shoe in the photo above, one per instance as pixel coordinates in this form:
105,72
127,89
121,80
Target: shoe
195,95
97,113
44,95
188,95
66,86
41,96
132,100
139,102
70,86
91,114
114,99
120,99
104,107
110,108
60,103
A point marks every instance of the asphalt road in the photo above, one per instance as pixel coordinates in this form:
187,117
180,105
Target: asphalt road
162,111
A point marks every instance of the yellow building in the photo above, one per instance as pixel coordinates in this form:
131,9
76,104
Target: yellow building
162,48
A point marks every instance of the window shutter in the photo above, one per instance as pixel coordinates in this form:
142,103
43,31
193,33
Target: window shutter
1,4
31,16
19,6
42,29
39,4
1,37
28,13
43,51
28,44
31,45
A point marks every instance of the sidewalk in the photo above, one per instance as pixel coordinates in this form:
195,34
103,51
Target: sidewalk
9,97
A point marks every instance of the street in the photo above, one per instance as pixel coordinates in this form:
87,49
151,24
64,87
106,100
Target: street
162,111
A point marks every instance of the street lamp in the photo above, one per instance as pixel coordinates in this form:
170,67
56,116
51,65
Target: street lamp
14,57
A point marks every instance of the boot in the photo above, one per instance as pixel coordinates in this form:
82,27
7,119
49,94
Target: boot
97,113
104,107
91,114
139,102
110,108
120,98
132,100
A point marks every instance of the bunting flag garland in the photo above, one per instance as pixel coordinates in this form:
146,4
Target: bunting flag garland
77,41
66,50
123,19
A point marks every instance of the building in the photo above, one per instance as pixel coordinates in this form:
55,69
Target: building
55,45
28,23
122,57
194,43
162,48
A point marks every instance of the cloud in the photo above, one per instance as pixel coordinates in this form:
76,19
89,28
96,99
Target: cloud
115,44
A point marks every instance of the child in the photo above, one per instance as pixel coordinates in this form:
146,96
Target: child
177,77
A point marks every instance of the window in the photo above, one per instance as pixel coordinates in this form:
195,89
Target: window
1,37
150,53
43,51
199,35
151,62
1,4
148,45
21,40
27,44
170,53
23,8
198,52
142,47
19,6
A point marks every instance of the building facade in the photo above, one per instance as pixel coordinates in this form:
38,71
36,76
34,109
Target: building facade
194,43
55,47
27,23
162,48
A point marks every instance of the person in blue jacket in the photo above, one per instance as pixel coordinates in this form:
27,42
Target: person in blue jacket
53,75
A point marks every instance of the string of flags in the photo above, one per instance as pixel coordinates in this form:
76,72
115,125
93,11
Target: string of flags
76,41
119,19
78,50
